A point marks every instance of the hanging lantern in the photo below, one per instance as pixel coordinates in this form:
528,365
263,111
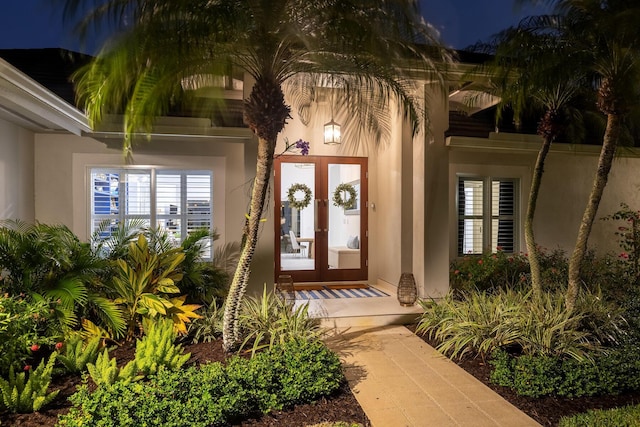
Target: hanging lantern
332,133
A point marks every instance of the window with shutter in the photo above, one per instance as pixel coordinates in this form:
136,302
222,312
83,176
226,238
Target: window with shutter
486,215
177,201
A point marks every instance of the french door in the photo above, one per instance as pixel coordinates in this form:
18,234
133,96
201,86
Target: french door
321,218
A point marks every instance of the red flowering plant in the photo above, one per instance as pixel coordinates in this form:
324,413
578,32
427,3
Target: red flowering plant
488,271
628,232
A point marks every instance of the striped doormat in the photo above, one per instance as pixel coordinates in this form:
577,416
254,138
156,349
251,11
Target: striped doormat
333,293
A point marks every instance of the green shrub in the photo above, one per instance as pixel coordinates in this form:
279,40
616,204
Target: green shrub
498,270
306,370
213,394
24,323
628,416
76,353
30,396
608,373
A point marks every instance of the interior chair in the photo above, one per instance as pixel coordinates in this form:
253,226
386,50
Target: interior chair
297,247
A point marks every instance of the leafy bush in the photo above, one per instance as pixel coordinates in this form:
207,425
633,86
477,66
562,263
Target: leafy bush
49,262
143,283
30,396
608,373
270,320
76,353
212,394
490,271
478,323
628,416
24,323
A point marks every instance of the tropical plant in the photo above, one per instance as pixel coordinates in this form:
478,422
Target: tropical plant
207,282
157,349
75,353
528,71
629,238
105,371
144,284
49,262
344,47
25,324
209,326
269,320
603,42
479,323
30,396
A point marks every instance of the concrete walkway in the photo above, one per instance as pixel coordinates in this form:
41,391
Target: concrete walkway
400,381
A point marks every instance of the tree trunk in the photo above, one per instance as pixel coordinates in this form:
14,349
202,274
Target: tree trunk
264,166
605,161
532,248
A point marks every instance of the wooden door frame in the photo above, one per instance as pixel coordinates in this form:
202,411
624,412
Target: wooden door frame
322,271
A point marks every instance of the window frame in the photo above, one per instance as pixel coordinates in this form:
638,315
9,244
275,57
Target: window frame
153,216
487,216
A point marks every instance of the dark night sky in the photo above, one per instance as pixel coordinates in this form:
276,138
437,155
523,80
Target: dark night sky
36,24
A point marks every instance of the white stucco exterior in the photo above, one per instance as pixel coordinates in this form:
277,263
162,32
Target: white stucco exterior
44,165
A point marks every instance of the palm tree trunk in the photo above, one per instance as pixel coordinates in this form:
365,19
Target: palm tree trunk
532,248
264,166
605,161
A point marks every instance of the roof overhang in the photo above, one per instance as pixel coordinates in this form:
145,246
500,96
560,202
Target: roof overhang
26,103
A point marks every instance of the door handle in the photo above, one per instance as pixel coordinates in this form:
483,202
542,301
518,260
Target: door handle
315,215
326,225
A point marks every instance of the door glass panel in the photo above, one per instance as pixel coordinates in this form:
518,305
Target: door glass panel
297,223
344,216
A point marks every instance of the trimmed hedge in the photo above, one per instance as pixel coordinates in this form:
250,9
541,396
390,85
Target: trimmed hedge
213,394
535,376
628,416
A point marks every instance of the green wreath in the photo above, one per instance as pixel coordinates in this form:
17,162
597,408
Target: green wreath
350,202
291,196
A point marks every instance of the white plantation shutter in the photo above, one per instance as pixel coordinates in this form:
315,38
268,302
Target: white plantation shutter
178,201
486,215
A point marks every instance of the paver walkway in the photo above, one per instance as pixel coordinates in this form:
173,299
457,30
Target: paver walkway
399,380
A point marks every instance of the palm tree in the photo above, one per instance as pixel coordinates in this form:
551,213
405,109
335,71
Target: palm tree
604,42
528,72
365,50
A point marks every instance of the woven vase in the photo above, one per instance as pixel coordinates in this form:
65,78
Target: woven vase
407,290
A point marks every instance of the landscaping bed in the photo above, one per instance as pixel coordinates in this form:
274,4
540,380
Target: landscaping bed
342,406
545,410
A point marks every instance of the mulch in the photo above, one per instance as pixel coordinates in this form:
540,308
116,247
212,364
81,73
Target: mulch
341,406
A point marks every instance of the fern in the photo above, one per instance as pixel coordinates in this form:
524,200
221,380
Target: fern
30,396
78,353
105,371
157,349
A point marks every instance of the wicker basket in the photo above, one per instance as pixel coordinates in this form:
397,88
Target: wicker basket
407,290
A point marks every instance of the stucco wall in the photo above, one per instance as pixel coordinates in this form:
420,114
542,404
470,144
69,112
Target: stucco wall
16,172
566,185
563,196
61,163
